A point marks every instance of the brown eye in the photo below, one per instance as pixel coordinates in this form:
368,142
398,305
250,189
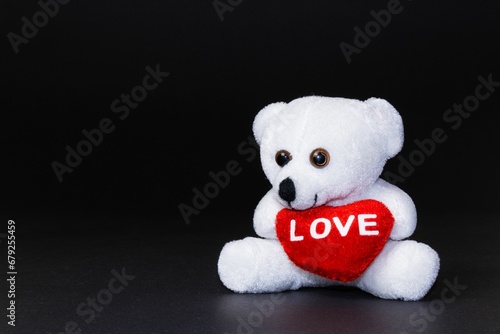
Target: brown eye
283,157
319,158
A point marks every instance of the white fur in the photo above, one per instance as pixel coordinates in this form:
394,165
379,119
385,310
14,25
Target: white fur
360,136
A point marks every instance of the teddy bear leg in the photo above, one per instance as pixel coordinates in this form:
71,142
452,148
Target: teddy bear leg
403,270
261,265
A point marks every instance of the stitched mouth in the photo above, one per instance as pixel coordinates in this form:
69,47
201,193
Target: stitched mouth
312,206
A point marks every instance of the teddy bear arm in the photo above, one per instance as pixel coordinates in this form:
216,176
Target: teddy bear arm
264,219
401,206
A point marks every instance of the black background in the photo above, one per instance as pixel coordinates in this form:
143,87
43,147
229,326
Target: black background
222,72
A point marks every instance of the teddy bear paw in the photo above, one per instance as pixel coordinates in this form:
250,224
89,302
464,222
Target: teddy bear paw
260,266
238,265
403,270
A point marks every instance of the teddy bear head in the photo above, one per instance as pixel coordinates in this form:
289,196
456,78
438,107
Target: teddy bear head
317,149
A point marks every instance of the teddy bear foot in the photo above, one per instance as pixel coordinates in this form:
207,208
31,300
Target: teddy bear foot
403,270
254,265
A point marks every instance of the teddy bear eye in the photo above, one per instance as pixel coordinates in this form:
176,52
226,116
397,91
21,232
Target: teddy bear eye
319,158
283,157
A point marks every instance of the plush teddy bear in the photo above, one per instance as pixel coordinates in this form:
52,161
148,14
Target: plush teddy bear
329,219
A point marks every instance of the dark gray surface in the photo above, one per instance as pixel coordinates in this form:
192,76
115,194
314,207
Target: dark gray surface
175,287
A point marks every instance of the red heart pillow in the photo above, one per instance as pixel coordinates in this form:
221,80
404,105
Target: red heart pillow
338,243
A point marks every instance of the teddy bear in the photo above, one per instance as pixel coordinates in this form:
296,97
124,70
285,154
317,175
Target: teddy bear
329,219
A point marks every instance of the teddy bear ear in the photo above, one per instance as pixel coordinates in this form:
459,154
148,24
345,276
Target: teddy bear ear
264,118
390,122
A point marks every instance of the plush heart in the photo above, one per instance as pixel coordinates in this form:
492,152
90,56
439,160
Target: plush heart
335,242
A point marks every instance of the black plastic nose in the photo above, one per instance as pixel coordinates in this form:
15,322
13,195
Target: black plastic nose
287,190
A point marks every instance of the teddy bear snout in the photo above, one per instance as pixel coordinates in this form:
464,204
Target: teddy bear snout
287,190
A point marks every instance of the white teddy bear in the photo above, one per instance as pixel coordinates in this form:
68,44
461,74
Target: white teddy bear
328,218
